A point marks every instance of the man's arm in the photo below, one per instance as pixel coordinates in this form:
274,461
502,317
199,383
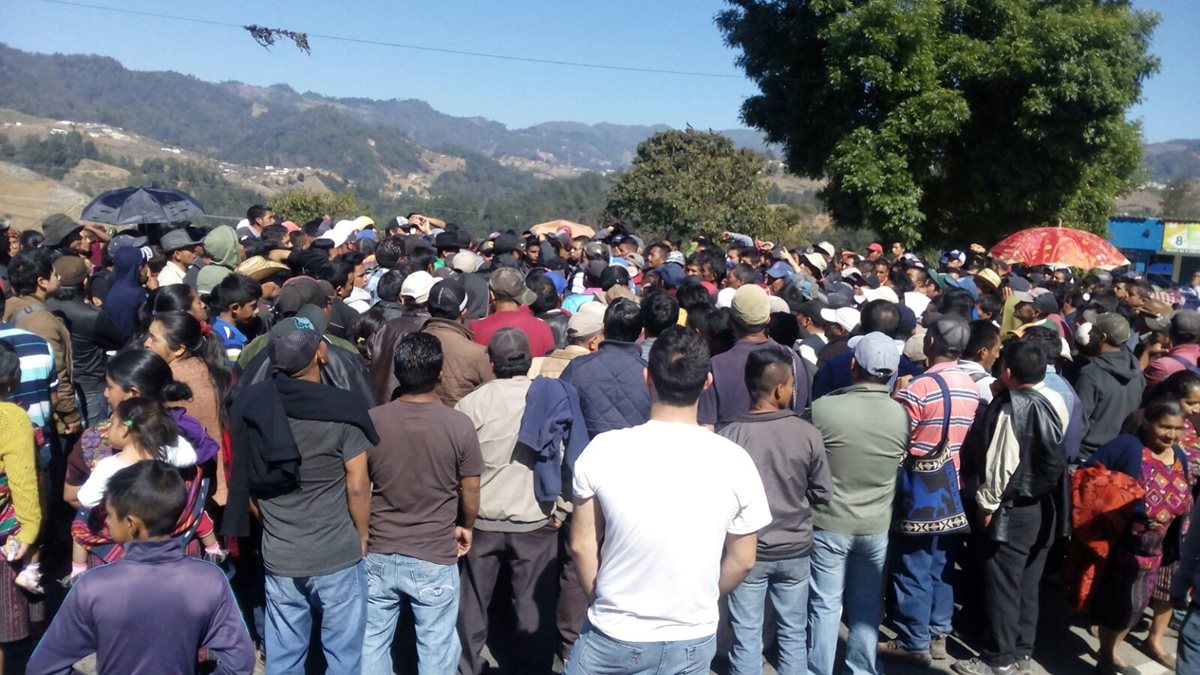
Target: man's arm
738,559
587,526
468,508
70,638
227,638
358,494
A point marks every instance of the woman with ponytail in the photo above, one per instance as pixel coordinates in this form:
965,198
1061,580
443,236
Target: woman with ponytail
197,358
130,374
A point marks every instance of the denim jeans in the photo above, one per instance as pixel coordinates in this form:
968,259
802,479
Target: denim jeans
923,588
94,409
595,653
1189,642
340,599
847,571
787,582
432,590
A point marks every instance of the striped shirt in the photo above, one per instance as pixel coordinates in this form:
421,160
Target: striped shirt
38,376
922,398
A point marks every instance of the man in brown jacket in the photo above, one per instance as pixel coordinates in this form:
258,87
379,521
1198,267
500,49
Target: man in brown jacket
32,276
465,364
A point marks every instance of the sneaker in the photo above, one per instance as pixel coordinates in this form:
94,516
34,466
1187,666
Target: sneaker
31,580
979,667
937,648
892,650
1024,665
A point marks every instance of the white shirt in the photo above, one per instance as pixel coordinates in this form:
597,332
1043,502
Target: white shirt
669,494
181,455
1004,451
171,274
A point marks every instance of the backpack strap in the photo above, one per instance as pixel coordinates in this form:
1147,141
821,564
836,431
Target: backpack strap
1186,364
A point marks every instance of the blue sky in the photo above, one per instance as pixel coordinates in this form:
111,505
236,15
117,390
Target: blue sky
663,34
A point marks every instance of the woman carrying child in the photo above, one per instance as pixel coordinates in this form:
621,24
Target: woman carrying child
140,429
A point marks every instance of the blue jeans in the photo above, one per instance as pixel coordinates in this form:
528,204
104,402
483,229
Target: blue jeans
95,407
787,582
595,653
847,571
1189,642
923,587
432,590
340,599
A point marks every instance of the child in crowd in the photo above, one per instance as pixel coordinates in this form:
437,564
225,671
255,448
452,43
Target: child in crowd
141,429
154,610
235,302
20,507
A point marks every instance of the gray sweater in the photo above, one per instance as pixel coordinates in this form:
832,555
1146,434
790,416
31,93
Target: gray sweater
790,458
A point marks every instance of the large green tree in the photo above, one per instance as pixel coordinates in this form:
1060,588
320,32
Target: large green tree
691,182
950,119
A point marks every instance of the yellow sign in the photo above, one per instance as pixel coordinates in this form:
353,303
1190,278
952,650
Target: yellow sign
1181,237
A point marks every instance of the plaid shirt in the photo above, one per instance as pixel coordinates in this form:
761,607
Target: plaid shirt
922,398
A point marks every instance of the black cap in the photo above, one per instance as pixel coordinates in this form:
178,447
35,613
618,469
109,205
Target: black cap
506,243
447,299
614,275
447,241
509,347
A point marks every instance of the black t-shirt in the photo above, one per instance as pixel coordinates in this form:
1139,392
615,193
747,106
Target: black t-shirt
309,532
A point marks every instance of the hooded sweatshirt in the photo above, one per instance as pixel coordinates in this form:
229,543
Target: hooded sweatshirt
1110,387
221,246
127,294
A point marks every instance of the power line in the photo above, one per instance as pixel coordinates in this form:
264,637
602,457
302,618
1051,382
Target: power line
425,48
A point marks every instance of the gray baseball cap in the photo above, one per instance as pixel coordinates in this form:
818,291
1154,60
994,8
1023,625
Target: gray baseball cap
953,332
876,353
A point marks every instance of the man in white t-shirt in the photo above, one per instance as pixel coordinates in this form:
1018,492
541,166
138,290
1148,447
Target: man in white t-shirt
678,509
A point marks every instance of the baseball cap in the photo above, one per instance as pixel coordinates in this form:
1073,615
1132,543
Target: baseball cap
290,226
595,250
780,270
465,262
751,305
293,350
363,222
587,320
121,241
827,249
951,331
1186,322
814,260
302,291
506,243
341,232
636,260
881,293
417,286
510,347
875,353
875,246
447,299
677,258
1024,296
72,270
846,317
1115,328
509,283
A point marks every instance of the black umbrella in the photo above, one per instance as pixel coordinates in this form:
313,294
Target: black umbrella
142,205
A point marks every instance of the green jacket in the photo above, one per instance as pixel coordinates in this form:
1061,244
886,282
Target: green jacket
221,246
866,435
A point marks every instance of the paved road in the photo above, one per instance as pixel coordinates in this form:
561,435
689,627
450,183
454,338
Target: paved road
1064,648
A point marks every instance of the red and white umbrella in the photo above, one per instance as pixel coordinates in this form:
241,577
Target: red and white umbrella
1059,247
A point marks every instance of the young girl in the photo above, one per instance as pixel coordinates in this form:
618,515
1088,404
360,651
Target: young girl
141,429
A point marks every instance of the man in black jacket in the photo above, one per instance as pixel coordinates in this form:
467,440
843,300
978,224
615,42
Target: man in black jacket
1019,458
93,334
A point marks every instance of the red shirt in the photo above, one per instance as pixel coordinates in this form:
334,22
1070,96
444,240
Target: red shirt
541,340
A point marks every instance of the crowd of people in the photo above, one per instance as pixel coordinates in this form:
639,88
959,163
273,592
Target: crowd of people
610,450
